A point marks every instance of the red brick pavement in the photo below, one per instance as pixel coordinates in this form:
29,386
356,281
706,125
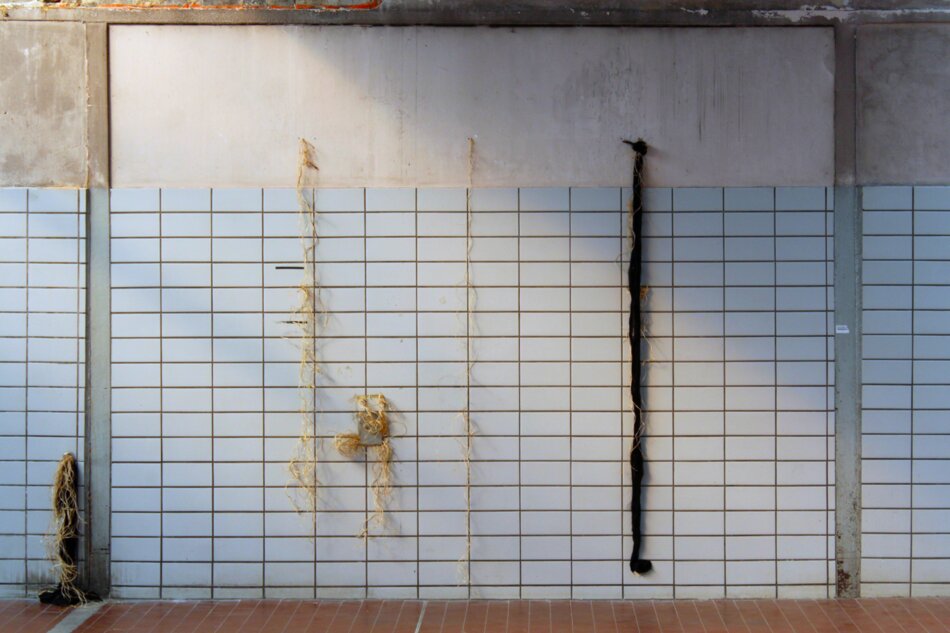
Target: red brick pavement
891,615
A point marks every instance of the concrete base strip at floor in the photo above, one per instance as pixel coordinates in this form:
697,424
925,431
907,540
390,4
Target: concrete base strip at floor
75,618
918,615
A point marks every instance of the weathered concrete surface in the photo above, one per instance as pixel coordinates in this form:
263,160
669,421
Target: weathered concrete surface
520,6
42,104
395,106
483,12
903,104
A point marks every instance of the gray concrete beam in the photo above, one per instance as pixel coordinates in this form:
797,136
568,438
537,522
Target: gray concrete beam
847,217
577,7
499,12
98,423
847,392
903,97
97,105
42,105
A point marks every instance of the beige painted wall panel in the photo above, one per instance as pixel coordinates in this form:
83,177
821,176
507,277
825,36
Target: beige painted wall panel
42,104
387,106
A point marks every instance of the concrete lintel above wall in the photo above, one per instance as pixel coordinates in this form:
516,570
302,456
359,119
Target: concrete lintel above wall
903,101
42,104
199,106
484,12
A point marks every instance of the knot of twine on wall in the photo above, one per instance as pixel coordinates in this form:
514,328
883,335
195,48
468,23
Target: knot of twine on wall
372,418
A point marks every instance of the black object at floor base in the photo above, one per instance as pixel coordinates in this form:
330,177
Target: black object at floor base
640,566
56,596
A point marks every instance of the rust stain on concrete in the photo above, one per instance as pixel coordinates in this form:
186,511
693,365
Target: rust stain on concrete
147,5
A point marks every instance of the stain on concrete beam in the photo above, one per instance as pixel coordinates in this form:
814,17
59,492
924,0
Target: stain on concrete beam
42,104
485,12
203,5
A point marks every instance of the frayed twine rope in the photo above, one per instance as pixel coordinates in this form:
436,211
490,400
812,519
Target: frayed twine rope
470,331
63,540
635,333
347,444
372,415
303,462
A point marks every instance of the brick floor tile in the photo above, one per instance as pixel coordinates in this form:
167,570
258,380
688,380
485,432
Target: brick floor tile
433,617
519,616
880,615
604,618
497,617
539,616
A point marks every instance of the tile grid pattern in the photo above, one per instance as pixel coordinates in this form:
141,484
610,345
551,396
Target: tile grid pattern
201,342
906,372
772,279
42,370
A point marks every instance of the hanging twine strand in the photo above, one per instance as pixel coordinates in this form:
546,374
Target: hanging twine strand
372,416
303,461
471,299
66,527
62,542
635,333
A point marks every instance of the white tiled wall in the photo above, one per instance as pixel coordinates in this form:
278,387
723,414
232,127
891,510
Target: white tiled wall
42,308
205,390
740,481
906,468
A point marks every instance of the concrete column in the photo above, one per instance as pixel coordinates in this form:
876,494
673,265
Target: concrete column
847,281
98,428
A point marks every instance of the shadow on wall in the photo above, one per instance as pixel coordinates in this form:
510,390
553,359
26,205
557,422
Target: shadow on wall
723,286
395,106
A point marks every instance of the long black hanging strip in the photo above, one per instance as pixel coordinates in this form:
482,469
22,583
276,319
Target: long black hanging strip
637,564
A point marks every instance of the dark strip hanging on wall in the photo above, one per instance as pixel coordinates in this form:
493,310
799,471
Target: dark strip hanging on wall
637,564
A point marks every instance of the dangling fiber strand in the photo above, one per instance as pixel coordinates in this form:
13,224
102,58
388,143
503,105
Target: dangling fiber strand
303,462
372,416
471,300
347,444
637,293
382,488
63,542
